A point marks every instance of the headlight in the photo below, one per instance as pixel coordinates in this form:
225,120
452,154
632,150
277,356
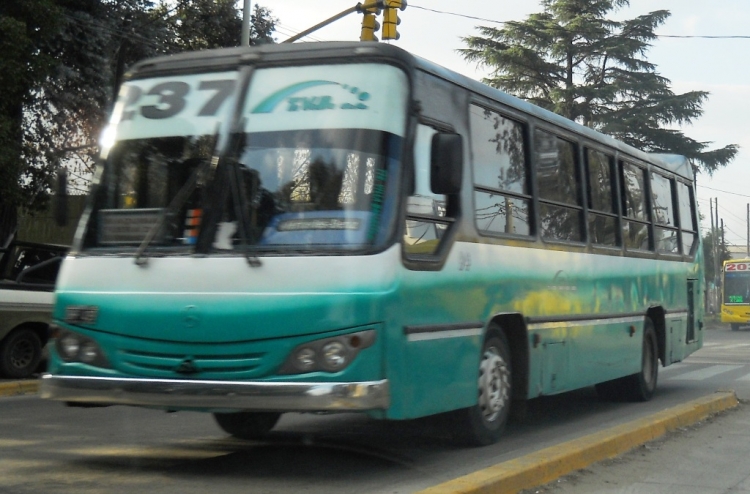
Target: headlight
73,347
68,346
328,354
305,359
335,355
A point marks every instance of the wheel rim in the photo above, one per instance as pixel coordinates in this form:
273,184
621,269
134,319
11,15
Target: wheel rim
22,354
494,384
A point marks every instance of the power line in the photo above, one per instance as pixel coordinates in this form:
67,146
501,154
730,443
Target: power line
483,19
722,191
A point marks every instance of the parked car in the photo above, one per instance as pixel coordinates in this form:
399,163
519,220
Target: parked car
27,281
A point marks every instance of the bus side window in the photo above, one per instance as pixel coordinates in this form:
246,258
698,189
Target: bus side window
502,200
636,226
426,212
602,212
665,231
687,217
560,210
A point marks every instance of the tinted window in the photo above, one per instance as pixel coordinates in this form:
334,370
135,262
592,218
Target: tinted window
558,187
501,193
634,195
498,151
600,181
661,192
602,216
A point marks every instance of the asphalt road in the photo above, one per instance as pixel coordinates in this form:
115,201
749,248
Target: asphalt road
46,447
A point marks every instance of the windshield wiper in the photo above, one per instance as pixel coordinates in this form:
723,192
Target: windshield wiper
177,202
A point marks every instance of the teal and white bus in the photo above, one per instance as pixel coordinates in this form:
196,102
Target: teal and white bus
338,227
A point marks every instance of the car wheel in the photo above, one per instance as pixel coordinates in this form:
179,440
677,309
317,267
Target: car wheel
20,353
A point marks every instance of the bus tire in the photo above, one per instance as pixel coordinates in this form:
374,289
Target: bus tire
641,385
20,353
483,423
735,326
247,425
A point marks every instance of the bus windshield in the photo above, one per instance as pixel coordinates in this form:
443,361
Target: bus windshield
736,284
307,159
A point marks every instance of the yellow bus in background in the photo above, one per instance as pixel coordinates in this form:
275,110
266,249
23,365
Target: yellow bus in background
735,300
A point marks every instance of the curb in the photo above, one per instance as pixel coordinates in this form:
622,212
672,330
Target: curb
17,388
544,466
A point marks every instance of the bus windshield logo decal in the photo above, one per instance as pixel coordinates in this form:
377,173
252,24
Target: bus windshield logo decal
307,103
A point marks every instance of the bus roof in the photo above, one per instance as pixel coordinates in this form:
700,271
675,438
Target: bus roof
225,58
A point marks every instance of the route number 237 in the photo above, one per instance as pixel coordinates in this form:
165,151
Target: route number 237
737,266
173,98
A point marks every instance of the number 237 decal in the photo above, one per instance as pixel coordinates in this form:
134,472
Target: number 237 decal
172,97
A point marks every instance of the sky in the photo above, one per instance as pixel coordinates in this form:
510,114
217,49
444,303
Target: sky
719,66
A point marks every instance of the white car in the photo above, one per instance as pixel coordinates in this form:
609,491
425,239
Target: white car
27,281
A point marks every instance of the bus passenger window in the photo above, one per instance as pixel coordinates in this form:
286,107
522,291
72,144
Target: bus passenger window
502,200
602,214
687,218
665,232
636,228
559,207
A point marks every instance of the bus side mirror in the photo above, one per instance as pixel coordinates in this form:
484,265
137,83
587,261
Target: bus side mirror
446,163
60,203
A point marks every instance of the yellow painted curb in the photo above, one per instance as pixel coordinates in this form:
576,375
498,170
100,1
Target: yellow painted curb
19,388
551,463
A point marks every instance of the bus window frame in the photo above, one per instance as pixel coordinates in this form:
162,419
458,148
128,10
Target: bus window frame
475,187
575,140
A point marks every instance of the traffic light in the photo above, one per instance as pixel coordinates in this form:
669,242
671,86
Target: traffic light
390,18
370,26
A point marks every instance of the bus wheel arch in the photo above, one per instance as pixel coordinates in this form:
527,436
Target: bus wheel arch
501,383
657,314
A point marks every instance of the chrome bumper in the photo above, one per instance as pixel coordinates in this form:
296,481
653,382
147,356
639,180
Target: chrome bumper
218,395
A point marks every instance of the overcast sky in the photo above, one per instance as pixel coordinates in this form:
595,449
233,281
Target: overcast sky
719,66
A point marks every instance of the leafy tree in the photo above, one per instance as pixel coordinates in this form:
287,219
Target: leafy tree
61,62
204,24
573,60
26,28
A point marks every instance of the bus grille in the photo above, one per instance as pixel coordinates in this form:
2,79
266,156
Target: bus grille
186,364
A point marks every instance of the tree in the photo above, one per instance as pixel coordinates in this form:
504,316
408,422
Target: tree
61,62
574,61
26,28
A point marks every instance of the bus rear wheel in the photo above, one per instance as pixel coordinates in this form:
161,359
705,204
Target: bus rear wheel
641,385
247,425
735,326
483,423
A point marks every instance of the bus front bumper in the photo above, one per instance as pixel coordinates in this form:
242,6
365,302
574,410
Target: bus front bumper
218,395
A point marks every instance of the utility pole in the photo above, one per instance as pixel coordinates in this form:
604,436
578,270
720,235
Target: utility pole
748,230
246,24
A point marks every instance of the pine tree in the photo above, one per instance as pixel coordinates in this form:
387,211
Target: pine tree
573,60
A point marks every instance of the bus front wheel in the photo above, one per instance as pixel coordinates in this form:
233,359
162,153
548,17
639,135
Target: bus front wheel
483,423
247,425
641,385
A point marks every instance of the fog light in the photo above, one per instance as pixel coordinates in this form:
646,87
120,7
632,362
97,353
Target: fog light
305,359
69,345
334,355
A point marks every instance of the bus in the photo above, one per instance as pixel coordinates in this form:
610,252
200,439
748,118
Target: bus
735,289
346,227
